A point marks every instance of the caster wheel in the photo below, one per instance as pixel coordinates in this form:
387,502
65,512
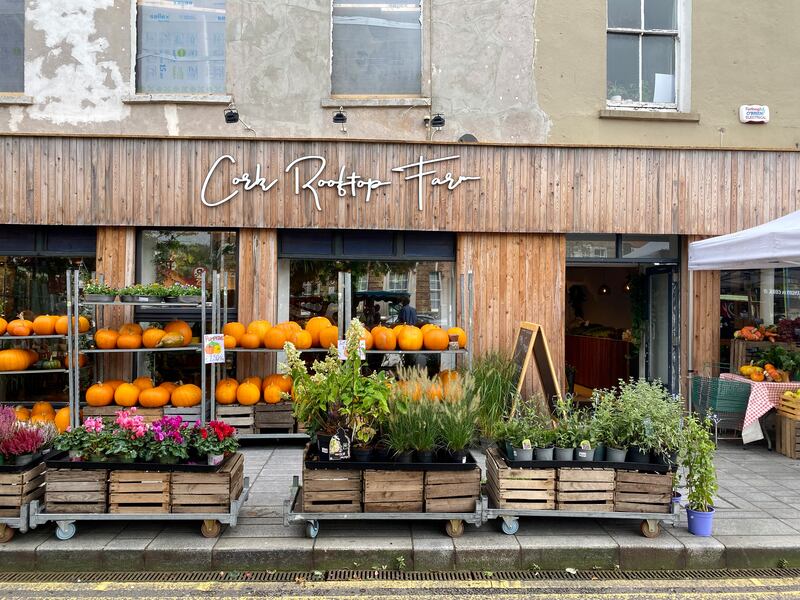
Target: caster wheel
6,534
210,528
312,529
510,527
648,531
65,532
454,528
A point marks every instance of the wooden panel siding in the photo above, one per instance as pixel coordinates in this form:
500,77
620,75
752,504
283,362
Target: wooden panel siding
157,182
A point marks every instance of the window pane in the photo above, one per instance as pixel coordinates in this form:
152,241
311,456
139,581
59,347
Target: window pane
665,248
658,68
625,13
180,46
622,67
377,47
660,14
591,248
12,44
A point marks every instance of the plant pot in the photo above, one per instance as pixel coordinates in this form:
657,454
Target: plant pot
564,454
215,459
142,299
544,453
600,452
509,450
423,456
380,453
323,442
669,459
637,455
123,458
168,460
582,455
99,297
189,299
2,459
171,299
75,455
523,454
457,456
404,457
24,459
676,498
616,455
700,523
98,458
360,454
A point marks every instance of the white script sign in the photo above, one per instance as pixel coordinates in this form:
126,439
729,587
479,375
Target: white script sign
346,183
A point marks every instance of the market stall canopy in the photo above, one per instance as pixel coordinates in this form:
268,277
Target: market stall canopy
769,246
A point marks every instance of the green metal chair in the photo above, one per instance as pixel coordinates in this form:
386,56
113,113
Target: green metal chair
726,401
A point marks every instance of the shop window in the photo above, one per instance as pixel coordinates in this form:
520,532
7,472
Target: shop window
12,46
377,48
642,52
662,248
597,247
180,46
397,282
435,288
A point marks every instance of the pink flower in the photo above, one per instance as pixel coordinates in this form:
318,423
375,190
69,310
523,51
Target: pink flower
93,424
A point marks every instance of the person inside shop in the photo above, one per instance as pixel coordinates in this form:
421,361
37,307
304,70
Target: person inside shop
407,314
368,315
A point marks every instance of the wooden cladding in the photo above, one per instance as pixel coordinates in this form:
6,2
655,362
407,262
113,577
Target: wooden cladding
157,182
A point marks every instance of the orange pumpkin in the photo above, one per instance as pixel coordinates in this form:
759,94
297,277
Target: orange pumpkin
282,382
43,409
44,325
234,329
255,380
154,397
14,359
448,378
275,338
128,341
169,386
126,394
22,413
114,383
288,327
250,340
272,394
462,336
229,341
41,419
329,336
106,339
435,391
314,326
143,382
428,326
226,391
368,341
62,324
151,337
259,328
411,389
397,329
181,327
186,395
248,394
384,338
3,326
435,339
19,327
302,339
130,328
100,394
33,355
82,360
61,420
757,376
410,338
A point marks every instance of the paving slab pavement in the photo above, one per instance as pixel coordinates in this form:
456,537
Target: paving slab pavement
757,525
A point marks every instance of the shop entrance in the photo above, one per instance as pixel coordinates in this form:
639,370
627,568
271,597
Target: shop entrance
622,311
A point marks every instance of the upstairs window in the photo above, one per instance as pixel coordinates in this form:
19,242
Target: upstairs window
377,48
12,46
642,53
397,281
180,46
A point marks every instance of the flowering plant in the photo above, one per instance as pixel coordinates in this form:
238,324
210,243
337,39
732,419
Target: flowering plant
23,441
128,437
215,438
8,422
168,439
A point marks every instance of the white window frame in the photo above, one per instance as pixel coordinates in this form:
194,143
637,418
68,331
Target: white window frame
682,36
362,283
435,291
389,288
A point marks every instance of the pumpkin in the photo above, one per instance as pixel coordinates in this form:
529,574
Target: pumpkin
44,325
226,391
314,326
329,336
169,386
33,355
248,394
106,339
129,341
397,329
82,360
448,377
289,327
462,336
411,389
302,339
152,336
114,383
757,376
229,341
250,340
126,394
272,394
130,328
181,327
435,391
154,397
171,340
427,327
186,395
100,394
143,382
368,341
282,382
41,419
275,338
22,413
410,338
19,327
43,409
14,359
51,363
384,338
62,324
234,329
3,326
61,420
259,327
255,380
435,339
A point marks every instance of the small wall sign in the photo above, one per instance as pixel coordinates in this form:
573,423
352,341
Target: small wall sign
754,113
213,348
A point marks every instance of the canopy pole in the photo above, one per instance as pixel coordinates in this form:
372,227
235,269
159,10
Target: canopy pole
690,351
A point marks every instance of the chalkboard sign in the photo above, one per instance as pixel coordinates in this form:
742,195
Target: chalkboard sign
531,343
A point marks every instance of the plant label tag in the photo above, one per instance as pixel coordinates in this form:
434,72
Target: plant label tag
213,348
339,446
526,445
342,349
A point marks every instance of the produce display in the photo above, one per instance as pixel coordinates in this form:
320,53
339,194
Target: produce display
766,373
41,325
252,390
154,292
130,336
22,439
143,392
757,334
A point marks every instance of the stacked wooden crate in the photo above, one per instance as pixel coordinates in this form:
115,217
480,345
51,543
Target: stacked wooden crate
208,492
452,491
237,416
148,414
787,435
189,414
331,491
586,490
643,492
274,418
17,489
139,492
393,491
525,489
76,490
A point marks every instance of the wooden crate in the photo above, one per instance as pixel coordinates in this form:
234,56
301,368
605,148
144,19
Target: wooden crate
524,489
331,491
238,416
393,491
208,492
277,418
20,488
787,436
190,414
643,492
585,489
148,414
743,352
452,491
789,408
139,492
76,490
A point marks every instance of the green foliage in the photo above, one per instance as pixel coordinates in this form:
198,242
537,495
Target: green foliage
698,457
457,418
572,423
780,357
424,431
495,385
178,289
139,289
97,287
399,426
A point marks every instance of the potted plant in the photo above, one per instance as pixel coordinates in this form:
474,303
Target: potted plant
215,441
189,294
423,431
22,446
567,429
542,439
127,437
458,422
701,476
398,432
167,440
75,441
96,291
516,436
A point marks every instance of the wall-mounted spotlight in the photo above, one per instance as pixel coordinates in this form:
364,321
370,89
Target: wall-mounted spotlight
437,122
604,290
340,118
231,114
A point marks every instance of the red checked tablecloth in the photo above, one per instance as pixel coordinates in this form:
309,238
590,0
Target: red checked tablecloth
764,395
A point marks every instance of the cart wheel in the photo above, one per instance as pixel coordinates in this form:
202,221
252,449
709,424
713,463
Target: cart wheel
6,533
65,532
454,528
312,529
510,527
650,529
210,528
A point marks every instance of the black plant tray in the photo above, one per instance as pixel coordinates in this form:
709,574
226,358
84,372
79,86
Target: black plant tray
62,461
19,468
313,462
589,464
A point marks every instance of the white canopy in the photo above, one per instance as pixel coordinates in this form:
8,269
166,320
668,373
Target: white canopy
769,246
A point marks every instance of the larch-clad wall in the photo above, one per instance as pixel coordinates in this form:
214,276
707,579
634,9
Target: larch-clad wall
517,277
258,290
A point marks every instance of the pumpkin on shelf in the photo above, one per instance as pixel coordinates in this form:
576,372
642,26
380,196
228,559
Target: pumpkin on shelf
61,419
126,394
275,338
82,360
152,336
226,391
259,328
45,324
250,341
435,339
282,382
329,337
130,329
314,326
248,394
289,327
410,338
368,341
427,327
254,379
3,326
33,355
14,359
129,341
171,340
229,341
186,396
106,339
114,383
181,327
51,363
169,386
302,340
19,327
143,383
62,324
398,328
462,336
44,410
22,413
154,397
384,338
272,394
234,329
100,394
